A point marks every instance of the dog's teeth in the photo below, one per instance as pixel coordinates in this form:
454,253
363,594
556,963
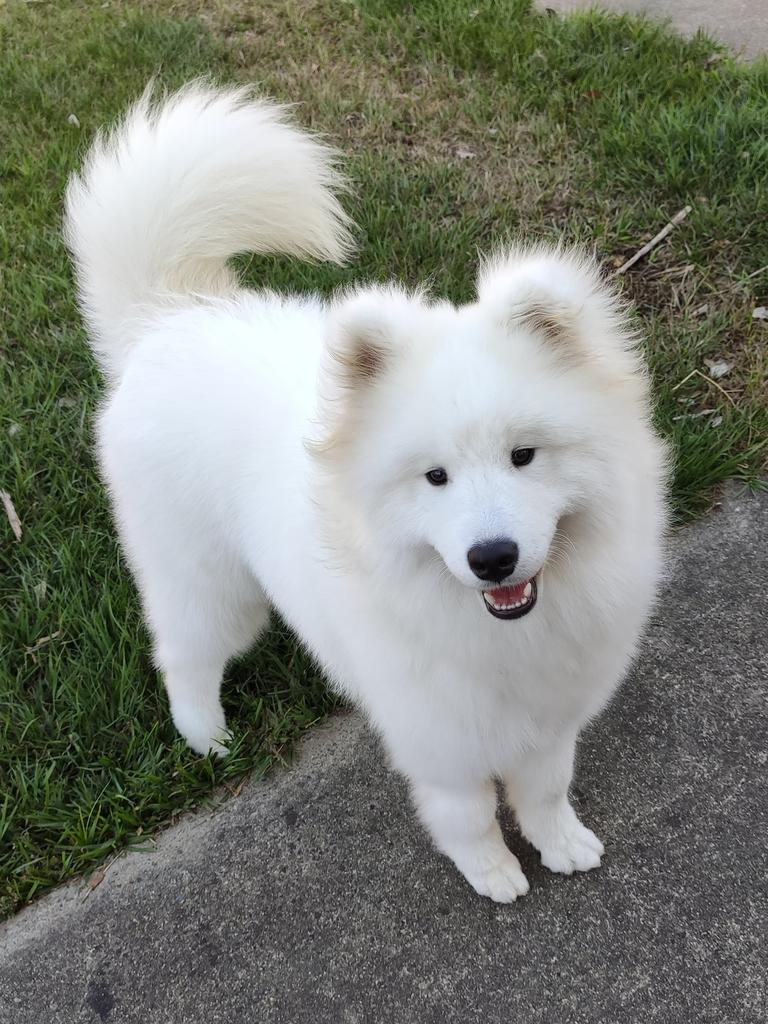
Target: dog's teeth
511,606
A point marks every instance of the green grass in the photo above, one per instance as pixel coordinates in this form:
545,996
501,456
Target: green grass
464,123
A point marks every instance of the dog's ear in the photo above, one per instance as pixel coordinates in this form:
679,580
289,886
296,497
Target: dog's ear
561,297
365,331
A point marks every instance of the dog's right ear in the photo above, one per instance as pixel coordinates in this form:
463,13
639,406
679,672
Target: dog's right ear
365,331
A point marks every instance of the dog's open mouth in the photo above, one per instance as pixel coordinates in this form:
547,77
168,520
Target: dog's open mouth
511,602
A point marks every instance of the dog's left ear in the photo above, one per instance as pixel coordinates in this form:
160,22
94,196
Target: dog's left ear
562,297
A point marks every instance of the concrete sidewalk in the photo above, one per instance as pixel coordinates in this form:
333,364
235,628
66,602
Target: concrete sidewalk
314,897
742,24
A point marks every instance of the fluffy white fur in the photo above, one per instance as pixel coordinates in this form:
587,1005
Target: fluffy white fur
266,451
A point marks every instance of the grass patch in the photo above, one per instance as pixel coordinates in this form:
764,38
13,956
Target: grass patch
463,123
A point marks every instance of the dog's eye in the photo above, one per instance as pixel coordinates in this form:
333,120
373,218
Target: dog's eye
522,456
437,477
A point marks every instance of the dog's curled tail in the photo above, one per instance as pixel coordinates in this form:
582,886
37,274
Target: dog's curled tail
178,187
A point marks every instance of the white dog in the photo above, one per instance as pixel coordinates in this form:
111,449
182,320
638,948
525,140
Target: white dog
459,510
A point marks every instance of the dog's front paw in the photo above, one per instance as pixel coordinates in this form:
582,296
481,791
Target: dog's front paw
503,882
566,845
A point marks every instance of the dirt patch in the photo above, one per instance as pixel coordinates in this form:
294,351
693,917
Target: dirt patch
370,98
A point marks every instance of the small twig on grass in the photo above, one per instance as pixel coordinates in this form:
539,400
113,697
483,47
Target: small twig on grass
10,511
667,229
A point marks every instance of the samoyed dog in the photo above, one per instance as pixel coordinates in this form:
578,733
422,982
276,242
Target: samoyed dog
459,510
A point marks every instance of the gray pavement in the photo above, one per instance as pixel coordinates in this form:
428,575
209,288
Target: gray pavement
315,897
742,24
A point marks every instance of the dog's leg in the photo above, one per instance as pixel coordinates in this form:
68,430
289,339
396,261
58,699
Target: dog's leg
537,789
193,693
199,625
463,825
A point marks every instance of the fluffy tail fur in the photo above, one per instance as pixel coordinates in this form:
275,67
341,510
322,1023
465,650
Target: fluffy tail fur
178,187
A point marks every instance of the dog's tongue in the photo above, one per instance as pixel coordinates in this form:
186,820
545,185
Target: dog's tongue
509,595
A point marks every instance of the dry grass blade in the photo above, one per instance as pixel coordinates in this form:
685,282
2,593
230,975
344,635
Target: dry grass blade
709,380
96,879
42,642
11,513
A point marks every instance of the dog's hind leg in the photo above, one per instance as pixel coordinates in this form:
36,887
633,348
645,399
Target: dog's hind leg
200,621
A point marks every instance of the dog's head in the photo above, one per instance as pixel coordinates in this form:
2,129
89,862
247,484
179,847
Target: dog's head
484,438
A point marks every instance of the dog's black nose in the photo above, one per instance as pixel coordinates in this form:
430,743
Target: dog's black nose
493,560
